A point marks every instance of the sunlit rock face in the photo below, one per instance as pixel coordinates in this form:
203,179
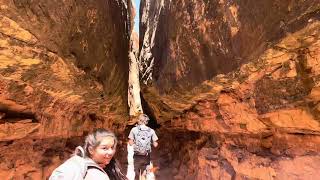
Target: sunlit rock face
134,100
235,84
63,71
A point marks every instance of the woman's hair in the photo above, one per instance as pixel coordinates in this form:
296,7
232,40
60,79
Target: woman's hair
114,172
93,140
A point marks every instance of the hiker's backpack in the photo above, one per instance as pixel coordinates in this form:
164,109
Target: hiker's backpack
75,168
143,139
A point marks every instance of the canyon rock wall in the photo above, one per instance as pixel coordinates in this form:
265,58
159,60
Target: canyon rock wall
235,84
63,71
186,42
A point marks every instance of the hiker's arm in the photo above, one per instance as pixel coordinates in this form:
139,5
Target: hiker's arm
131,142
155,139
155,144
131,138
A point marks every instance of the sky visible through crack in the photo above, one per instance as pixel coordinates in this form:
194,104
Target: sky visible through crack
136,19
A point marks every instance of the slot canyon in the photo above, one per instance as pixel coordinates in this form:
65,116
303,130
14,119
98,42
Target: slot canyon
232,87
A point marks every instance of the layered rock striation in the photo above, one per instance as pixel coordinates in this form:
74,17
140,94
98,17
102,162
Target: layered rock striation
234,86
63,71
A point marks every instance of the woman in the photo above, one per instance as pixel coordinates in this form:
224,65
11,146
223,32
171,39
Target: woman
94,161
100,147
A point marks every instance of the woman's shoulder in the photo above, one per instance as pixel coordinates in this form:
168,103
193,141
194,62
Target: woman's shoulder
96,174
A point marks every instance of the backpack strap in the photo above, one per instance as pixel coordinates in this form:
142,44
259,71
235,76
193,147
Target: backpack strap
79,151
90,164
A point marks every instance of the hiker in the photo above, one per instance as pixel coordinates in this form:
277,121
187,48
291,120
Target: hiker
94,161
141,137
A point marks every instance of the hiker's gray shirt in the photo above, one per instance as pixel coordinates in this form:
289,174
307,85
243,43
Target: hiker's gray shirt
142,136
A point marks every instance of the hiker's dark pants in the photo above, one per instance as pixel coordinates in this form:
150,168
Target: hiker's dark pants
140,163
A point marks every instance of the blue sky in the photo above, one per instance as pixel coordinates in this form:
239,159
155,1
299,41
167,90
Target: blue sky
136,19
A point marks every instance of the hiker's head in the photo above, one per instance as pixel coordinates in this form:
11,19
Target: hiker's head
143,119
100,146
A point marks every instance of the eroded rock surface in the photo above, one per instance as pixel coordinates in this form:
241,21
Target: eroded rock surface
63,71
235,84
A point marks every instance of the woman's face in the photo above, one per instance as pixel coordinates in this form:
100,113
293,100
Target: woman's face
103,153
